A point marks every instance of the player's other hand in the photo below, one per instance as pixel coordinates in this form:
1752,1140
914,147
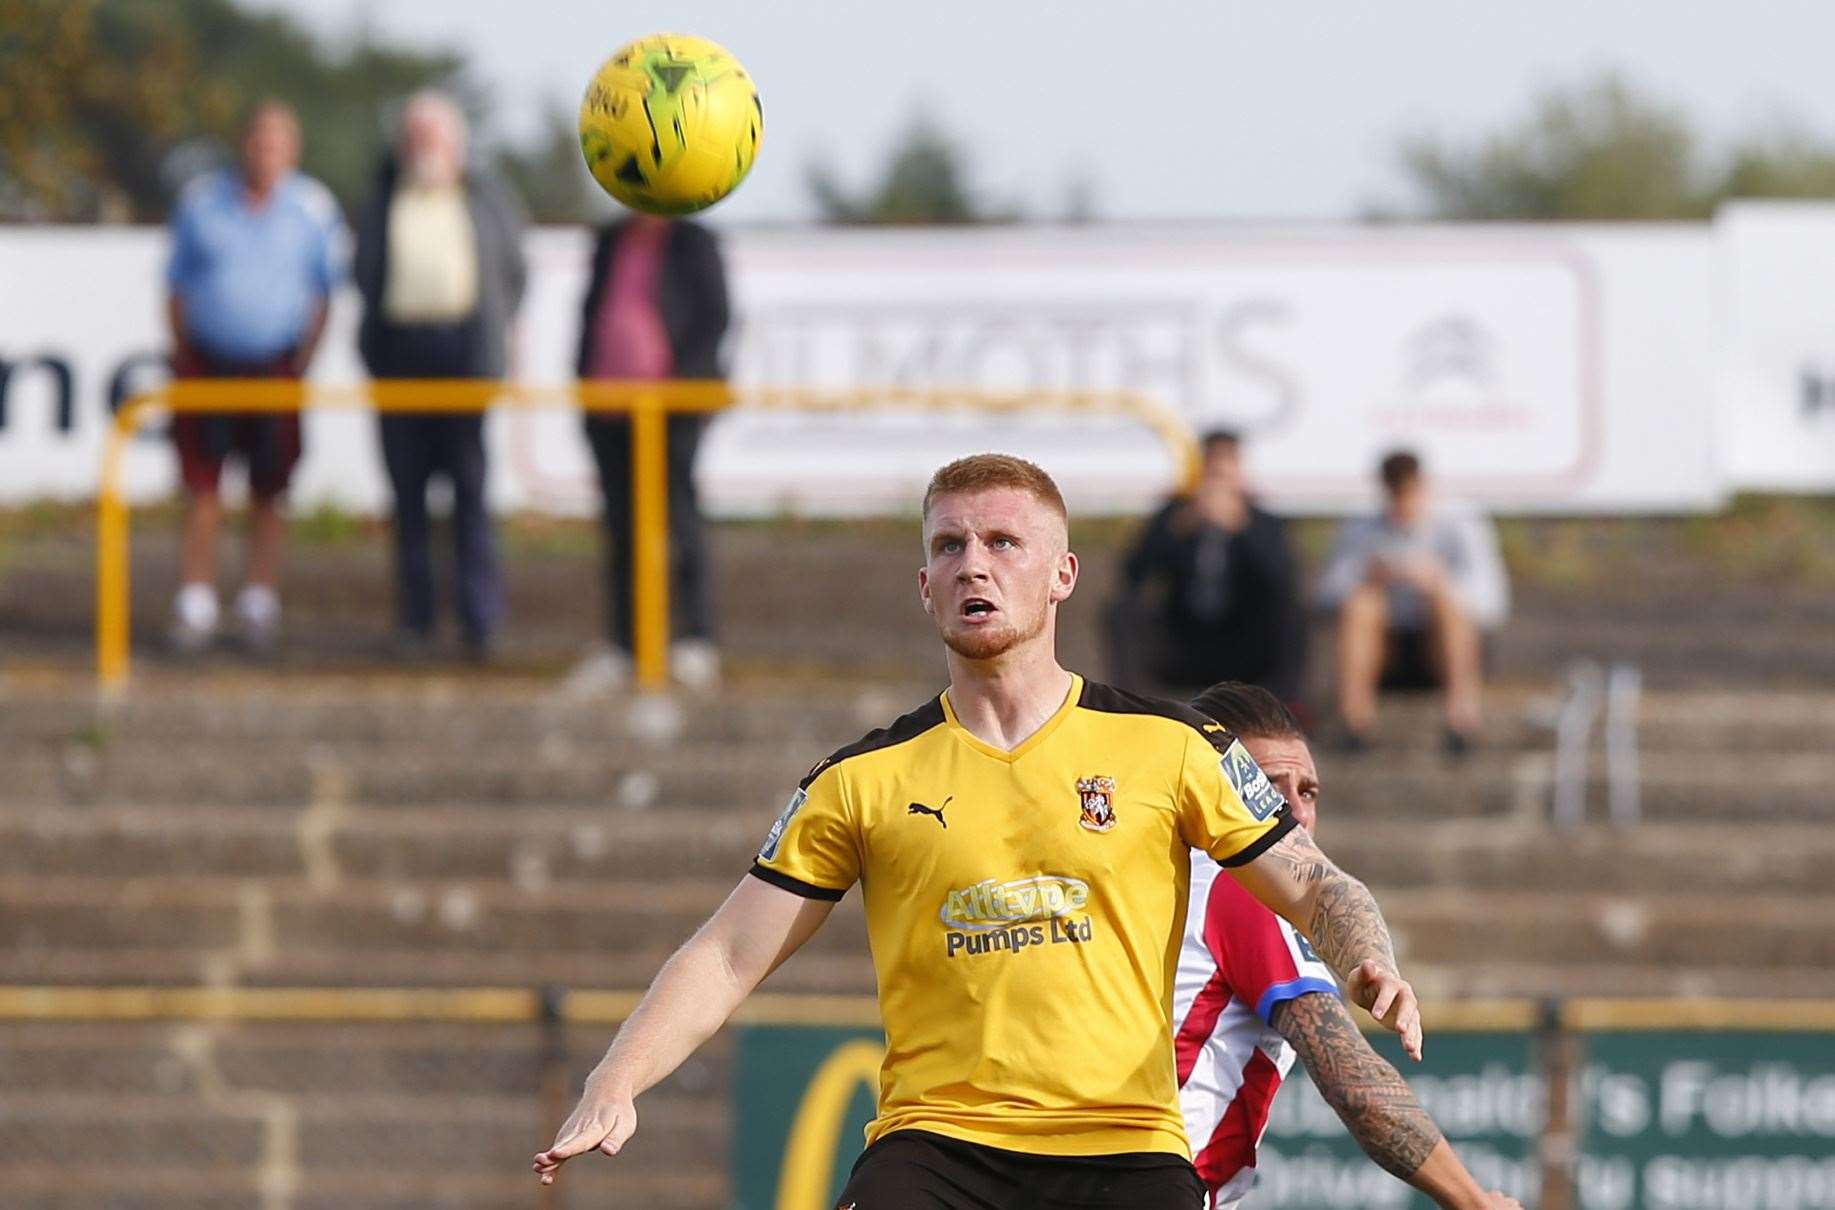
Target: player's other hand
602,1121
1498,1200
1386,996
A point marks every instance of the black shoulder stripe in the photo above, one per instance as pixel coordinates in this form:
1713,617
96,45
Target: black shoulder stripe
796,886
905,728
1261,844
1107,699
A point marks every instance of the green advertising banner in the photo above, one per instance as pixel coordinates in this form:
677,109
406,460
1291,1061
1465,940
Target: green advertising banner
1668,1120
1484,1089
802,1097
1697,1120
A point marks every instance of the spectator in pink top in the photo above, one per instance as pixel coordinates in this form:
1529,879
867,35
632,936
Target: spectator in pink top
655,308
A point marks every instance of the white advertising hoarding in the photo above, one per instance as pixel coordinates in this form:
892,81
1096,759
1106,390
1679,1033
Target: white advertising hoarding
1777,410
1538,369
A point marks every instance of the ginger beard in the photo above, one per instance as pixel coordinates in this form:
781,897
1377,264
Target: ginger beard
997,563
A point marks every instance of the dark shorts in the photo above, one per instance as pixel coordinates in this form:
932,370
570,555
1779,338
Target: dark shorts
917,1170
268,444
1409,661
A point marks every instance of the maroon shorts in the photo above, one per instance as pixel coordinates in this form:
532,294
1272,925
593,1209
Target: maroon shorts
268,443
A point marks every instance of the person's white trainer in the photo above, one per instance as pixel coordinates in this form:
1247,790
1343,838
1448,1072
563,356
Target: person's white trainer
695,664
195,614
600,672
258,614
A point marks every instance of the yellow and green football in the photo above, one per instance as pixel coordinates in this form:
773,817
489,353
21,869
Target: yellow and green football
670,124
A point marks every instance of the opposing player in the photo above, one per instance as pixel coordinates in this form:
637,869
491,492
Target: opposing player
1024,923
1251,995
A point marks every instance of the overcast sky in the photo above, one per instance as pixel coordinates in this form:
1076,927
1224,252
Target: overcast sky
1170,108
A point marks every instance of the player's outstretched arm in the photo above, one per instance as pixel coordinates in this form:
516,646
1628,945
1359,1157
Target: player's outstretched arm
1368,1095
751,934
1340,917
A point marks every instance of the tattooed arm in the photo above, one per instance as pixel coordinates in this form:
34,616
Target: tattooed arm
1375,1105
1340,917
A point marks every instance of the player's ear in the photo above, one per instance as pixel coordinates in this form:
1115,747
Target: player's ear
1064,581
924,589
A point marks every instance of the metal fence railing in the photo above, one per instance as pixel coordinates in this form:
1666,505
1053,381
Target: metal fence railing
648,404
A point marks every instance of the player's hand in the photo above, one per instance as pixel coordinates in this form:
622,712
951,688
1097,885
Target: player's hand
1498,1200
1386,996
602,1121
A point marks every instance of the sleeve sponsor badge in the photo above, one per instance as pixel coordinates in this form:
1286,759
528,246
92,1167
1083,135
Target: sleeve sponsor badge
775,837
1250,783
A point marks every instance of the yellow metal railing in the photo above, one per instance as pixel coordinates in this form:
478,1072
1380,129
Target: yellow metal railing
511,1005
648,404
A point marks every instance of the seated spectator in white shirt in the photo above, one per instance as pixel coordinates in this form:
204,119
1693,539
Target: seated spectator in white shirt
1415,588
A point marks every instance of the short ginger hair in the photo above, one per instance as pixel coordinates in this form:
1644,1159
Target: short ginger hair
981,472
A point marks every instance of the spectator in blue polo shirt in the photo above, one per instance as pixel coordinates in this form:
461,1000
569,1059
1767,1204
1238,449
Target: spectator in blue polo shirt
254,260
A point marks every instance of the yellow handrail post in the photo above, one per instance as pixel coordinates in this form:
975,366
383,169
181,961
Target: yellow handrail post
113,598
650,529
648,405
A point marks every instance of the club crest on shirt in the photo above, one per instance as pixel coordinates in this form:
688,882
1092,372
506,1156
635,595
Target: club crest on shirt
1096,797
1250,783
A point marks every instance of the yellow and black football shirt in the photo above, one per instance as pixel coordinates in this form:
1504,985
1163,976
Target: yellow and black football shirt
1024,909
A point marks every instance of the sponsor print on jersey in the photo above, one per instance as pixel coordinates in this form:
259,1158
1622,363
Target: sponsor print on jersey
1005,917
776,836
1251,784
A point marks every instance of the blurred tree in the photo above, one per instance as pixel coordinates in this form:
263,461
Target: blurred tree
1597,152
109,104
1602,151
550,174
1785,163
925,180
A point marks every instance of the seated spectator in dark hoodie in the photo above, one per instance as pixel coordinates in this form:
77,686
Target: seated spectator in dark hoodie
1210,591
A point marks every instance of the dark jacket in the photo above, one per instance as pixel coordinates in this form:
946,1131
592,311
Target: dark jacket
1230,604
691,296
498,224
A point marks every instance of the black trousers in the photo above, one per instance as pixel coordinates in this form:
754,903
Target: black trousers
916,1170
1145,656
690,592
415,448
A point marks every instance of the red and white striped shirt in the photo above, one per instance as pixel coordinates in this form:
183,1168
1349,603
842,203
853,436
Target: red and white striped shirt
1237,962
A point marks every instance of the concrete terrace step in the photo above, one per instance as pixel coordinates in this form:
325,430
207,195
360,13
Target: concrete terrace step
396,1187
1678,928
218,915
143,775
384,1145
536,850
1501,976
1753,652
391,710
281,933
1480,857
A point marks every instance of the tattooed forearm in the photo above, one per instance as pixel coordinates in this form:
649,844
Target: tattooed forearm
1364,1090
1343,922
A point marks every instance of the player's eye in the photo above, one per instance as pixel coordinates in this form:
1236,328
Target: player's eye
1002,544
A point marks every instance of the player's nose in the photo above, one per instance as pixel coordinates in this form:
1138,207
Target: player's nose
974,564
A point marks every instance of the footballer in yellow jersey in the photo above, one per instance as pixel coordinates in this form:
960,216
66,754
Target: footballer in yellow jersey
1022,843
1023,909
